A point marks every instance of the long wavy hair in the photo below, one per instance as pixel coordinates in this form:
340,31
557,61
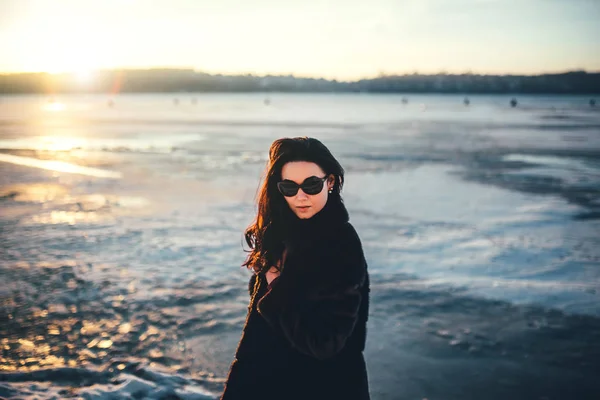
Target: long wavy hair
265,235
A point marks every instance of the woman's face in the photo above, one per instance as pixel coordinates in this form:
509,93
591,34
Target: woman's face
302,204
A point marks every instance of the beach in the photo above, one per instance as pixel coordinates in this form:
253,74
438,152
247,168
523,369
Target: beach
122,219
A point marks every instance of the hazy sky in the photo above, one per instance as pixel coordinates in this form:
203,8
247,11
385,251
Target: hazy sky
343,39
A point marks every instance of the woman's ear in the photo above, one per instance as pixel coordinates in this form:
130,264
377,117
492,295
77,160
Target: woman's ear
330,182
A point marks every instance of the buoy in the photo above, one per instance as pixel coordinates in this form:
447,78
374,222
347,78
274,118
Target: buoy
513,103
466,101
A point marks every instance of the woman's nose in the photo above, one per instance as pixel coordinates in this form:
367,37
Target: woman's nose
301,194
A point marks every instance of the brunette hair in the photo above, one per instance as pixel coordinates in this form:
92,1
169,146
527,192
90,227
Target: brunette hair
265,235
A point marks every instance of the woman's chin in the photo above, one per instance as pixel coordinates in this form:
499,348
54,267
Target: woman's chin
304,213
304,216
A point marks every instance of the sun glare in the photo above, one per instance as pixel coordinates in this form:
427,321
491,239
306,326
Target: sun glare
73,49
82,72
59,166
84,75
60,143
54,106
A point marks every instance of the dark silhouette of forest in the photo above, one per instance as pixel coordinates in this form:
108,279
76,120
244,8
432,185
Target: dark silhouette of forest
188,80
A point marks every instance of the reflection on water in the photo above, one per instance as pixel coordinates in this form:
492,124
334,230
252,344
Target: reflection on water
59,166
57,318
53,106
67,309
60,143
67,217
33,192
60,206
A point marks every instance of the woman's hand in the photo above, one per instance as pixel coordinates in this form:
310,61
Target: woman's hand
272,274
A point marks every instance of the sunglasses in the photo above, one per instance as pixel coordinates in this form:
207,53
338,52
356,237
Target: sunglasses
310,186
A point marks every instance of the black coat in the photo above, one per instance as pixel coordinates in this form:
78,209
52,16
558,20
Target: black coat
304,337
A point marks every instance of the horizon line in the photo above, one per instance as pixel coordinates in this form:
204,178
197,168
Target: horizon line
381,74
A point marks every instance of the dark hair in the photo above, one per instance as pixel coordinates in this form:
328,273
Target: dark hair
265,235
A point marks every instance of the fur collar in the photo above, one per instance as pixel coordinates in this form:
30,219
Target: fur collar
299,232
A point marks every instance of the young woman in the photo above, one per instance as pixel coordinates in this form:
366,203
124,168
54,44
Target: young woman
309,295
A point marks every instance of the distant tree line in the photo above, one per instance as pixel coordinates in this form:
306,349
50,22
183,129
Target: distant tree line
187,80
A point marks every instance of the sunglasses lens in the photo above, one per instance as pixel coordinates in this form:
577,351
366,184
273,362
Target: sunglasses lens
287,189
312,186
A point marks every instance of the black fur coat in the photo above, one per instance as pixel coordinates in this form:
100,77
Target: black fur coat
304,336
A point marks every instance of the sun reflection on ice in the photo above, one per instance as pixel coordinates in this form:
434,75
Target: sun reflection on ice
60,166
67,217
60,143
53,106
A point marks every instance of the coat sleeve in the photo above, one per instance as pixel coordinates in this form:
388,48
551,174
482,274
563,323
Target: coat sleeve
317,314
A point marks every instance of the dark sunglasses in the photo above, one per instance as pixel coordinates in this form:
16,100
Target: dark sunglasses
311,185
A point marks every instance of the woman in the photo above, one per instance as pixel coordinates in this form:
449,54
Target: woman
309,295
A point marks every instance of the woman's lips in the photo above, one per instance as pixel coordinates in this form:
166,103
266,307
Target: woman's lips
303,208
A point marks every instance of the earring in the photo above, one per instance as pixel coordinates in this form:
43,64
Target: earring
330,190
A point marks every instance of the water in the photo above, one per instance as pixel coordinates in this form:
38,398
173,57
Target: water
121,238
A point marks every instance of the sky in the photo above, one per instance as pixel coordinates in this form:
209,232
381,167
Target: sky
335,39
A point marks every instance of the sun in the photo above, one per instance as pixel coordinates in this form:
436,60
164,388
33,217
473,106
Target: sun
81,70
84,75
73,50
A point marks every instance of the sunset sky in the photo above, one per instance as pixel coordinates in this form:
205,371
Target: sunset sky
345,39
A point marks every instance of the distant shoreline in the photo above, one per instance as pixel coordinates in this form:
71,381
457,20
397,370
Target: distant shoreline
187,95
188,81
